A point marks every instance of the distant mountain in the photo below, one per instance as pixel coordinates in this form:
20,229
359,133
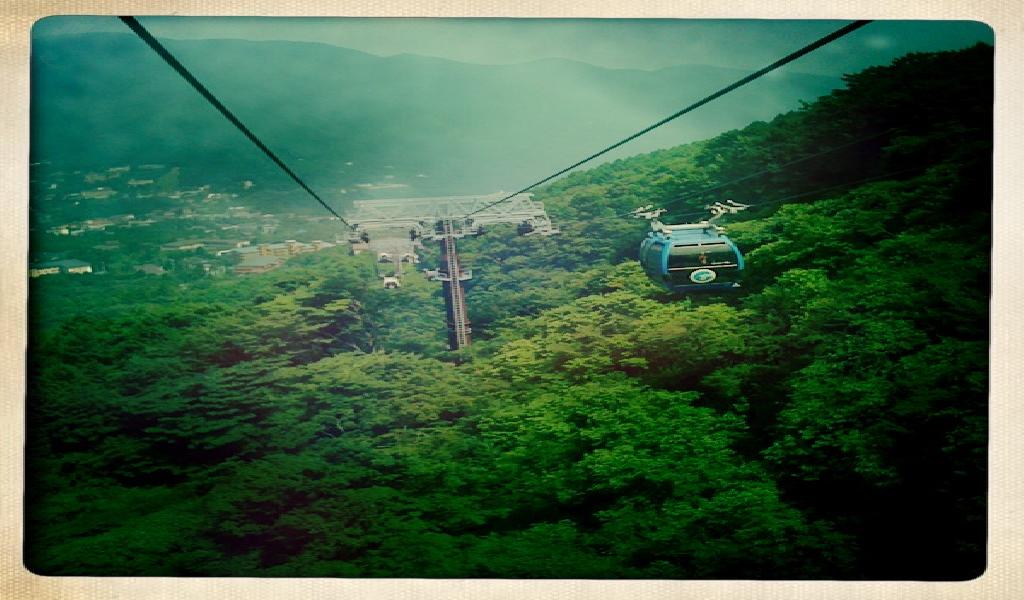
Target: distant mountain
435,125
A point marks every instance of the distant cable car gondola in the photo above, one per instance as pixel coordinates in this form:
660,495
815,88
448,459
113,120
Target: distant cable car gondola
691,257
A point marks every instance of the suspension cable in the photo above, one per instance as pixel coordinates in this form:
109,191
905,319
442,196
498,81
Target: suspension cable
157,47
755,75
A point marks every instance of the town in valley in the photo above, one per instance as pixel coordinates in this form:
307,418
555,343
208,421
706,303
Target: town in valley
141,220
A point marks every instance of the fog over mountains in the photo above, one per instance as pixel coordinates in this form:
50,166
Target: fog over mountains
341,117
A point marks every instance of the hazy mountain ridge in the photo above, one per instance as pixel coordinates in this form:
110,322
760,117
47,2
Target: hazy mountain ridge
104,99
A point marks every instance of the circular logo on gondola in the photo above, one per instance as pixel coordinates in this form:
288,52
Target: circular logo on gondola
703,276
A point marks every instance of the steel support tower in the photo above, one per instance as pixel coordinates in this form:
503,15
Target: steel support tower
443,219
451,275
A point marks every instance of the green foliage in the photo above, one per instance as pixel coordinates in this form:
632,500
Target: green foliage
306,422
652,479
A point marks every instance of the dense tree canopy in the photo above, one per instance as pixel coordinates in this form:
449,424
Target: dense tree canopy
828,421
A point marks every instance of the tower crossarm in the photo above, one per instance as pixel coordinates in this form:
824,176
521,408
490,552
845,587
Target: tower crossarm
410,212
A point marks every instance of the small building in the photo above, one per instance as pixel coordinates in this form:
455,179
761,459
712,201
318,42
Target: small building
247,251
72,265
258,264
150,269
98,193
69,266
40,270
182,245
295,247
97,224
199,191
221,247
196,263
284,249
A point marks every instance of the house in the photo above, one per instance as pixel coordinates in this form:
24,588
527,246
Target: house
295,247
194,263
246,251
40,270
285,249
221,247
150,269
69,266
97,224
182,245
98,194
199,191
281,250
72,265
258,264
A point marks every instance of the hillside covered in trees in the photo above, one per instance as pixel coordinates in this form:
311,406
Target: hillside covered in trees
827,421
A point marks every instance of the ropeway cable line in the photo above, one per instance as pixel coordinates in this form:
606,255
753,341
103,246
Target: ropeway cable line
851,27
165,54
169,58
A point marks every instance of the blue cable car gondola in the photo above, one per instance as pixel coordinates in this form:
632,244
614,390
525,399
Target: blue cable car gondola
691,257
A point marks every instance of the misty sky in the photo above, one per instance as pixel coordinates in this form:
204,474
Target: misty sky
635,44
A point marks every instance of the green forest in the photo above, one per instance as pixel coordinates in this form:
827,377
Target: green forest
827,421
